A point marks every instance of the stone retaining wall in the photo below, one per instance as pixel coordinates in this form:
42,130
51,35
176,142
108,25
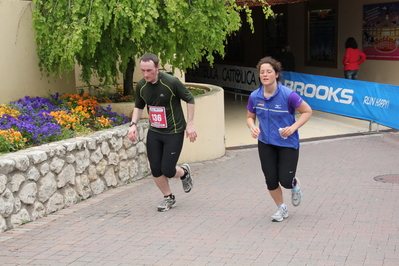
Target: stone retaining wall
38,181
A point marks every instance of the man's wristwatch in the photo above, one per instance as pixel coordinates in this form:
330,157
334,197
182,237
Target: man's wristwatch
132,123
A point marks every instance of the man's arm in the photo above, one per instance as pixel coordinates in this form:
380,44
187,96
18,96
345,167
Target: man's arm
132,134
190,131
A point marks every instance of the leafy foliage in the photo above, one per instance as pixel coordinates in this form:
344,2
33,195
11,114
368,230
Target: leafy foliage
103,36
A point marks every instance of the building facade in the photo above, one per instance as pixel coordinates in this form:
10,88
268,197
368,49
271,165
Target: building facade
316,32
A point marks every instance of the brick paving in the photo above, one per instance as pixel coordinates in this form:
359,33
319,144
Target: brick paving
346,217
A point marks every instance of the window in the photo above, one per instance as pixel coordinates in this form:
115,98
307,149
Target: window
321,41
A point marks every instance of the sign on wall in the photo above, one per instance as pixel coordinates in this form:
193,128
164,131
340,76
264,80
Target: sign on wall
236,79
380,37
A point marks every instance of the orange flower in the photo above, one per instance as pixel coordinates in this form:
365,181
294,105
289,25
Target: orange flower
7,110
14,137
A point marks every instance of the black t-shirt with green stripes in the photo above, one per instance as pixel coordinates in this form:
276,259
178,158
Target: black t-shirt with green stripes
163,100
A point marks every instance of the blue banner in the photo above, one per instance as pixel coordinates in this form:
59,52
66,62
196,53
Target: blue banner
360,99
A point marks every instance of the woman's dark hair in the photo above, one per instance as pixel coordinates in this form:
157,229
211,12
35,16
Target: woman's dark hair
150,57
351,43
276,65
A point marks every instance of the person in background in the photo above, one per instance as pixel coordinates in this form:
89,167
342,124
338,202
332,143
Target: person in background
286,58
162,94
274,105
352,59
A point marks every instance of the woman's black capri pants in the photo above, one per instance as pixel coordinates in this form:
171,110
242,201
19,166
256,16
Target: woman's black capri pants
278,165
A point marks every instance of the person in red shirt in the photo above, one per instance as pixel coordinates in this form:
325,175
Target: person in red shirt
352,59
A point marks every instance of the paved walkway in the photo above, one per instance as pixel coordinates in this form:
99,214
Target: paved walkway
346,217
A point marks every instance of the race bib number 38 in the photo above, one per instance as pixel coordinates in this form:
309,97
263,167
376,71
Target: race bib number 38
158,117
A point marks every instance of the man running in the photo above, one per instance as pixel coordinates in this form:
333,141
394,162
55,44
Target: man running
162,94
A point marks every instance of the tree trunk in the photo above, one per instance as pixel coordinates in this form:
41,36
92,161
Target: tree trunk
128,80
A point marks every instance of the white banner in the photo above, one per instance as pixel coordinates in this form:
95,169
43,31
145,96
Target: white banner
236,79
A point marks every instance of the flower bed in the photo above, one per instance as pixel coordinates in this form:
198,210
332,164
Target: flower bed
34,121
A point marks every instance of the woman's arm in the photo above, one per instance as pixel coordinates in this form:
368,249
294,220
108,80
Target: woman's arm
251,119
306,113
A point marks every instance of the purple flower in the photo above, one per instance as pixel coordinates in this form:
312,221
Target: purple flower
38,126
113,116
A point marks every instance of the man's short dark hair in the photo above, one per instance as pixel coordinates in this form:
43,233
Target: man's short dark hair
150,57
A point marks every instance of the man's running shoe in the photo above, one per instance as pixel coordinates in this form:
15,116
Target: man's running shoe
296,194
187,181
167,203
280,214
